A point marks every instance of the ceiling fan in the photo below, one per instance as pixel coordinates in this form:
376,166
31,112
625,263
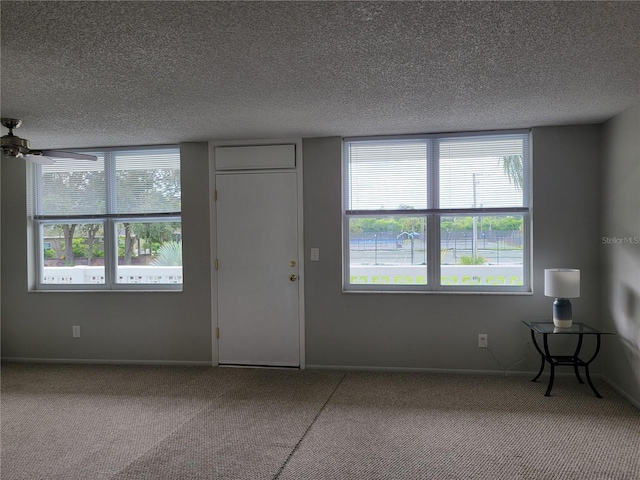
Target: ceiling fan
17,147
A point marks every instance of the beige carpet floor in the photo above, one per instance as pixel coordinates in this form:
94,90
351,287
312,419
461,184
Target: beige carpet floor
138,422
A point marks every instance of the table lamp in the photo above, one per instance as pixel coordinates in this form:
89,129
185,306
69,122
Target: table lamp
563,284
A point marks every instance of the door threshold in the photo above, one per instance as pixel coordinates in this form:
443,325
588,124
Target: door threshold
271,367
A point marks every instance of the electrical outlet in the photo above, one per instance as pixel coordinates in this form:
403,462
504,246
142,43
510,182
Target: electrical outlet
483,341
76,331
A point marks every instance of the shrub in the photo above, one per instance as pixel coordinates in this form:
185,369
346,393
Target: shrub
467,260
169,254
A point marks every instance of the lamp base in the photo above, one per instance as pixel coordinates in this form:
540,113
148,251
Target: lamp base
562,314
562,323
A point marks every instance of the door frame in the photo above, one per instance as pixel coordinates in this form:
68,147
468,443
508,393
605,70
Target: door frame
213,225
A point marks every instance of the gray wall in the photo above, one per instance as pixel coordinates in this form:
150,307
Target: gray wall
115,326
427,331
436,331
621,251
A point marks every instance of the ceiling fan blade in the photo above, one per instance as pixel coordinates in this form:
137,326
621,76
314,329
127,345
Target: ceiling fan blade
69,155
42,160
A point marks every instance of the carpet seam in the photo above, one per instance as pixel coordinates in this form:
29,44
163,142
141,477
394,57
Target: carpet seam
304,435
160,440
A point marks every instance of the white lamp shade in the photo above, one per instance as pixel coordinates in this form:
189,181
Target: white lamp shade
562,282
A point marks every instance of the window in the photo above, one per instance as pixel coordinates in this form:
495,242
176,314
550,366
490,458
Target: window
110,224
437,213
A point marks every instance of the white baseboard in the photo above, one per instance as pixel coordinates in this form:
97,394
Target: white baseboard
447,371
93,361
450,371
632,400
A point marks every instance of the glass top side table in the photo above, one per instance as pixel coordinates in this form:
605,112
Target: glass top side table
577,328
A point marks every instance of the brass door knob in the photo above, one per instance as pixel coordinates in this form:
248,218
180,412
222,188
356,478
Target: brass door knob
293,278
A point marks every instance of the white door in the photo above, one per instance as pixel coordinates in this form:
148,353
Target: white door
257,253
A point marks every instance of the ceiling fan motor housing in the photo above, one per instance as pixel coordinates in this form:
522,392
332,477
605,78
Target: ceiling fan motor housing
11,145
14,146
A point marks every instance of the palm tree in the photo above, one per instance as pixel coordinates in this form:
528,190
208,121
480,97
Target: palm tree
514,170
169,254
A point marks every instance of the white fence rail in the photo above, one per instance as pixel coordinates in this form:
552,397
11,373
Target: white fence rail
82,274
450,274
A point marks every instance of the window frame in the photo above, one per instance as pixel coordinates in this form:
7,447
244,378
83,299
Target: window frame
108,220
433,215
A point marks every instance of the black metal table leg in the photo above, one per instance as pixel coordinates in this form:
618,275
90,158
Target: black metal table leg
551,365
535,344
586,366
586,369
541,370
576,360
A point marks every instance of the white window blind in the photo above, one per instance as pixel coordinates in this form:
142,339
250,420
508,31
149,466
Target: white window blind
129,182
482,172
474,172
72,187
147,181
387,175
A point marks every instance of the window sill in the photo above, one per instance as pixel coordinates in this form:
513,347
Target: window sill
437,292
141,290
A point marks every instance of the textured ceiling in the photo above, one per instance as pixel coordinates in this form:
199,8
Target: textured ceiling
84,74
